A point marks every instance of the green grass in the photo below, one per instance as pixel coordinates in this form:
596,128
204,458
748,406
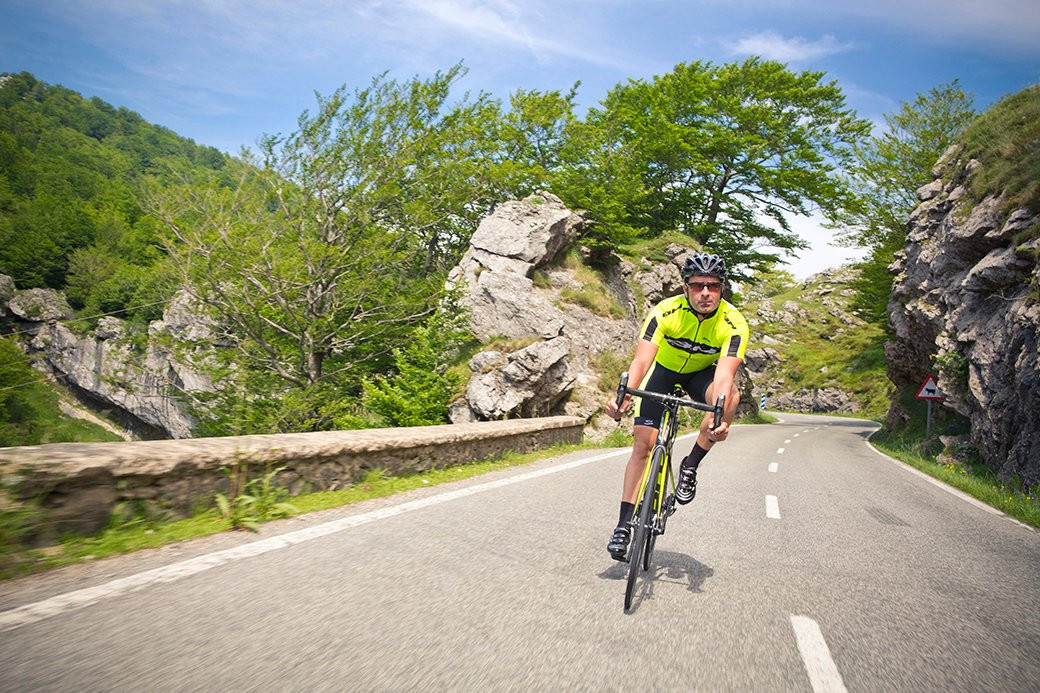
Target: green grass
1006,140
961,467
974,479
816,356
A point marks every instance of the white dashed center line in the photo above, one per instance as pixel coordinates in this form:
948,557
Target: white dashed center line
816,656
779,451
773,466
772,508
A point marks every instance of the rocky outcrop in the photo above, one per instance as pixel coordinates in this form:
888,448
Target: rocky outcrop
143,389
815,401
555,372
822,307
965,306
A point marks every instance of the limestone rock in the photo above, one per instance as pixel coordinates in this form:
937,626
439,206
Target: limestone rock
40,305
7,292
964,298
530,382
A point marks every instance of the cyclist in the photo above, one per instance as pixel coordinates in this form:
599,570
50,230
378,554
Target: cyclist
695,340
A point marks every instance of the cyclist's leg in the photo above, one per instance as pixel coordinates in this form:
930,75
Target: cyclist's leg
644,433
698,386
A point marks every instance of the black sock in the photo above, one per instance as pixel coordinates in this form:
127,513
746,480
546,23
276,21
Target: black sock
627,510
695,456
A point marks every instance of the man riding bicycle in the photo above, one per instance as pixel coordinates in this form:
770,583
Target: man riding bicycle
695,340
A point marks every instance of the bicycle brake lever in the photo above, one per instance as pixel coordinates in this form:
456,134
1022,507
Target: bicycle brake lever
720,406
622,386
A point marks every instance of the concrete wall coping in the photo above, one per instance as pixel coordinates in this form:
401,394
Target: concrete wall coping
157,456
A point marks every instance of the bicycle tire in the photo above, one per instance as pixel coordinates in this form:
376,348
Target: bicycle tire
641,535
659,492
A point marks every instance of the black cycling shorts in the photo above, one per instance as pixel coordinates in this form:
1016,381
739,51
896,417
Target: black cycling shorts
648,411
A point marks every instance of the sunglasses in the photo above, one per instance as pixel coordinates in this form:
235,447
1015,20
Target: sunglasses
701,286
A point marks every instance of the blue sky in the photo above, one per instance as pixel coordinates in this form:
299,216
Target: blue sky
223,72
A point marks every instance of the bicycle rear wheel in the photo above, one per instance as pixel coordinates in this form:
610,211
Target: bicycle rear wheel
643,532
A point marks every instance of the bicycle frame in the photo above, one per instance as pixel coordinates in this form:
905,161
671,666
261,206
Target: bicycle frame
653,505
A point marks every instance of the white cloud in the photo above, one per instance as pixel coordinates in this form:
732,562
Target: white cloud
773,46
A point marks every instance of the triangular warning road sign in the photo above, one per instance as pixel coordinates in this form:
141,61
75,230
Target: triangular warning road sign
929,389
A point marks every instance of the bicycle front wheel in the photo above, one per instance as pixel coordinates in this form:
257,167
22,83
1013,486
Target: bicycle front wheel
653,530
643,531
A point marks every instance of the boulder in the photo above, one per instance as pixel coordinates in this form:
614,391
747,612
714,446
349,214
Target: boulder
530,382
40,305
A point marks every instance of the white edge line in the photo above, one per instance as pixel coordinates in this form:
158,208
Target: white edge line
38,611
816,656
950,489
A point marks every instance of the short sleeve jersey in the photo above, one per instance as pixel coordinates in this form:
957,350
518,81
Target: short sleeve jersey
686,344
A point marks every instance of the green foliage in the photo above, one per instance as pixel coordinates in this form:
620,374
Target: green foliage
249,502
423,383
711,150
323,256
887,172
69,171
1006,140
29,412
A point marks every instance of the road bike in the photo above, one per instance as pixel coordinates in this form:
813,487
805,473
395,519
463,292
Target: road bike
656,499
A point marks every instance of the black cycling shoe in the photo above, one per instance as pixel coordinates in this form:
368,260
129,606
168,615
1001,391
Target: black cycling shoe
687,487
618,545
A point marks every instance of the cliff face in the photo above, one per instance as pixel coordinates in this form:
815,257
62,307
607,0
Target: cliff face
965,306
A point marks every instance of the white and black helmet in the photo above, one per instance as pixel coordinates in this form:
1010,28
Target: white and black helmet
704,264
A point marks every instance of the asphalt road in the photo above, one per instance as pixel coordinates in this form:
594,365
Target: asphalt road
808,561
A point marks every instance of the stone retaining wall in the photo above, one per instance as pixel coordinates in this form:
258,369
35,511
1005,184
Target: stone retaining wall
80,484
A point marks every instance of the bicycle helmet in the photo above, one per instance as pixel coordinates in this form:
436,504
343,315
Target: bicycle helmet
704,264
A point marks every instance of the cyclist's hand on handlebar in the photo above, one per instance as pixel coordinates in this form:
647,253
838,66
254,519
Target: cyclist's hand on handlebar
612,408
719,434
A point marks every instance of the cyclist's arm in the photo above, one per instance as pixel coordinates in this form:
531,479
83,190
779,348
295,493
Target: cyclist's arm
646,352
725,374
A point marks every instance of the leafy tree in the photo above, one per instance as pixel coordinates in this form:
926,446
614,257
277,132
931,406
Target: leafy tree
532,141
319,261
887,171
716,152
422,386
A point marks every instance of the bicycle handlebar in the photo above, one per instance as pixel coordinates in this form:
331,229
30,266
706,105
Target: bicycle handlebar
717,409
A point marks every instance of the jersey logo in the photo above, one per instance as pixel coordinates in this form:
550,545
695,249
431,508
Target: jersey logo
691,347
677,308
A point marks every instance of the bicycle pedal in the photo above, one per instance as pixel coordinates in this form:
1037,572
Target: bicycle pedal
669,505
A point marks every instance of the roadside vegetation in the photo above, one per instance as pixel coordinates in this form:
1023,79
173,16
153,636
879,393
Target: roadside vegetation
818,350
247,506
958,464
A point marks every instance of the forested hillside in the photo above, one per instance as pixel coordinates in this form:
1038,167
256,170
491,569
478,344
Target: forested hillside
70,215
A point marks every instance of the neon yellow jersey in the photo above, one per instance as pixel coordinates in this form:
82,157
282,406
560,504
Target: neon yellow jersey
686,344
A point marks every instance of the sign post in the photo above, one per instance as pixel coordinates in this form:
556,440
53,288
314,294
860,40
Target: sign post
929,391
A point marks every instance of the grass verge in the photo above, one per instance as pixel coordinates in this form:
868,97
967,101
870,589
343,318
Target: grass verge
962,470
137,534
